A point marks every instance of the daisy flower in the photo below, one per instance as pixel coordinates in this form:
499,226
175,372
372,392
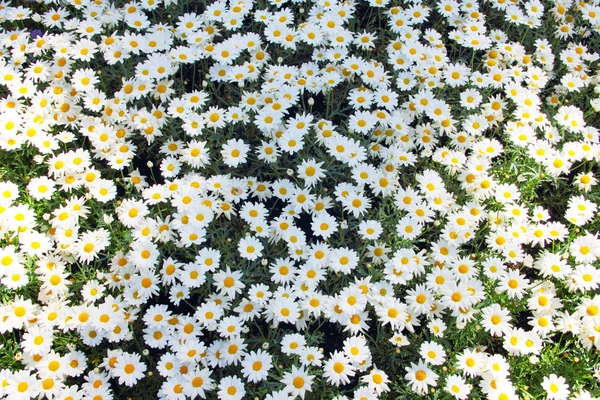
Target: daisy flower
377,381
437,327
356,349
580,210
235,152
356,203
197,382
130,212
456,296
457,387
409,228
143,255
297,382
392,312
231,388
37,340
470,362
214,118
268,151
311,172
41,188
311,355
420,377
585,249
256,365
514,284
585,180
495,319
556,387
338,370
21,385
250,248
229,282
370,229
129,369
283,270
343,260
433,353
584,277
90,244
362,122
324,225
542,324
234,349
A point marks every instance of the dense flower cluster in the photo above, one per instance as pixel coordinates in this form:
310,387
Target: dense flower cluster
219,186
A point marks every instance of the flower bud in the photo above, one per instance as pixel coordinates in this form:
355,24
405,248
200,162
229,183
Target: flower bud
534,359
